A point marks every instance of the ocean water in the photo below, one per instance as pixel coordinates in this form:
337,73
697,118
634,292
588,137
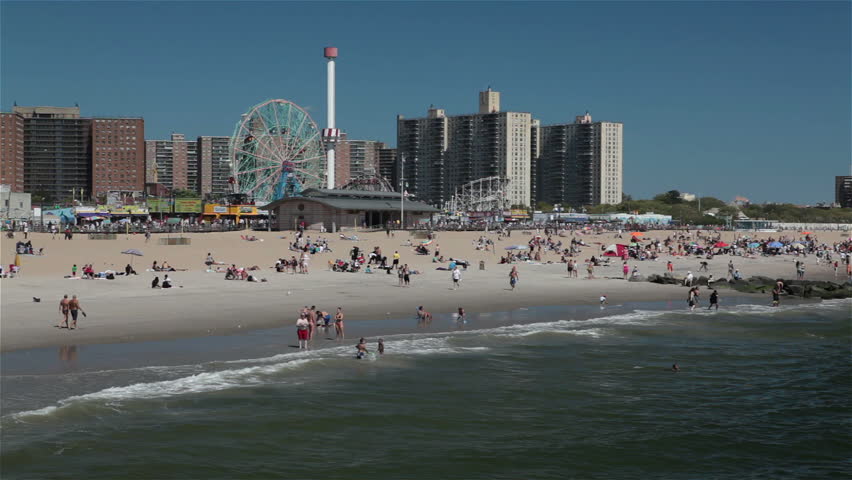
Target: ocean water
557,392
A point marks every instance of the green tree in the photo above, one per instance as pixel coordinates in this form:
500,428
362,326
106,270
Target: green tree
186,193
671,197
544,206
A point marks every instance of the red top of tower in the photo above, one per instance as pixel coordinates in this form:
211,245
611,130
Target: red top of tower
330,52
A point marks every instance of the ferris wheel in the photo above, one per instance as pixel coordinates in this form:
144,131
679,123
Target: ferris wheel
276,152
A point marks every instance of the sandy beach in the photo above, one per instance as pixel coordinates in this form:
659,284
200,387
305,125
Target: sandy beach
203,303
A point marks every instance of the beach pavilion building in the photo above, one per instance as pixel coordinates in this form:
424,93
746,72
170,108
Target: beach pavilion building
336,209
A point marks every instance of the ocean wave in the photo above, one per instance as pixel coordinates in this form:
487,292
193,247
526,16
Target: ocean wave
256,375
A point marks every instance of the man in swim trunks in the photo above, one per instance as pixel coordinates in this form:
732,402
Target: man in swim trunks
361,349
64,309
74,307
303,331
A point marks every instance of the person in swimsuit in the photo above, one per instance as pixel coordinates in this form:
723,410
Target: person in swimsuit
381,346
303,331
361,349
714,300
406,275
338,324
461,318
74,307
423,316
64,309
513,277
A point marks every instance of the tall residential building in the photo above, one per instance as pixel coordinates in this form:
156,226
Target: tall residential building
843,191
57,152
581,163
535,170
341,161
12,151
388,166
364,157
443,152
175,162
118,153
215,165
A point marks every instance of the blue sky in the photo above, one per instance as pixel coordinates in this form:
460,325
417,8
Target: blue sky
723,99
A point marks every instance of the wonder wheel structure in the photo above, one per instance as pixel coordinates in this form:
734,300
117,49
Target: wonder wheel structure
488,194
369,183
276,152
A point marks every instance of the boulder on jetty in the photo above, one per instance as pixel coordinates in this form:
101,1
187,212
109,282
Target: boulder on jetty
759,284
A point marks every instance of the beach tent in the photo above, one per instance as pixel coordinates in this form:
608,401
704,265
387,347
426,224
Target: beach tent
615,250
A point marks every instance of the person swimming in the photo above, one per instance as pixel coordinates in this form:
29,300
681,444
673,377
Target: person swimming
675,368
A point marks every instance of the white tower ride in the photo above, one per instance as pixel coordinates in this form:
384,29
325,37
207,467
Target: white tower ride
330,134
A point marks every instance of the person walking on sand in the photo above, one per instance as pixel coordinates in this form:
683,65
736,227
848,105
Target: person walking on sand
669,266
74,270
456,277
64,309
303,331
338,324
74,307
406,275
625,270
514,277
591,270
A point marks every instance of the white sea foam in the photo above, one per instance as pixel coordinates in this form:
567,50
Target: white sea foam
242,377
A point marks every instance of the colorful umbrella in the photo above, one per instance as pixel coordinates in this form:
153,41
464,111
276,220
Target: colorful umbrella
636,234
806,233
776,245
753,245
721,245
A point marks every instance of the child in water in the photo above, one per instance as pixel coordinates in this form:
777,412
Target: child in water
381,346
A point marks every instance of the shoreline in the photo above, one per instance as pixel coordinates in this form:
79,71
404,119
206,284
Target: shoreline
127,310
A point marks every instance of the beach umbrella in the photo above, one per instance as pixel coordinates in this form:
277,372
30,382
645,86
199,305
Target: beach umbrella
776,245
133,253
806,233
636,234
721,245
516,247
798,246
753,245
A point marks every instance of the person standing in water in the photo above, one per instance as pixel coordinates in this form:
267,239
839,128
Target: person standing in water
461,318
381,347
361,349
714,300
303,330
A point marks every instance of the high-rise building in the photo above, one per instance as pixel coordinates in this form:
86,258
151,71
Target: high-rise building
215,165
388,166
12,151
57,152
442,152
535,170
175,161
118,153
581,163
843,191
341,161
364,157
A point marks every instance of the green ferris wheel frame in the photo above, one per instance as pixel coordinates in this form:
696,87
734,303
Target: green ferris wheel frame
276,152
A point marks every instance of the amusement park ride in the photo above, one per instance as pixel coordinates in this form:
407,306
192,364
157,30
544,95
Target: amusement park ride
277,151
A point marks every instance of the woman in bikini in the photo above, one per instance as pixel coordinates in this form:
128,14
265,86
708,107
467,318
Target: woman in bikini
338,324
